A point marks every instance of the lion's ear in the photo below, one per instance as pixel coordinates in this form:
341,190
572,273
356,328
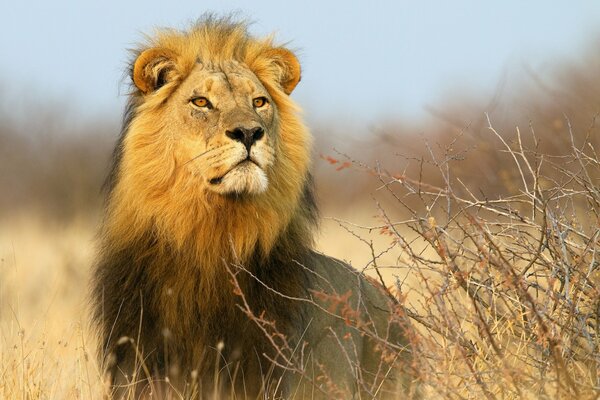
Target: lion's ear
153,68
289,68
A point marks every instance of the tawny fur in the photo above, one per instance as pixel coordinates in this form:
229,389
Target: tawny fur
162,290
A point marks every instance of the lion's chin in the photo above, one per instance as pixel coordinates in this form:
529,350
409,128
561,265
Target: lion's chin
246,178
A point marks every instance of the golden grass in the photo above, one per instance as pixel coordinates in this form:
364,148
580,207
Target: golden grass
46,350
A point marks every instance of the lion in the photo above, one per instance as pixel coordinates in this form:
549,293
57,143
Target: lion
206,281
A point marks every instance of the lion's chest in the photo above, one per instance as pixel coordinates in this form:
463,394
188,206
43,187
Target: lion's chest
195,318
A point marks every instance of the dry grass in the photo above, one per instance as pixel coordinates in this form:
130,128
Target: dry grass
46,351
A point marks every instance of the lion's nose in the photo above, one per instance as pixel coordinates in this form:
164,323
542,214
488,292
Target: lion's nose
246,136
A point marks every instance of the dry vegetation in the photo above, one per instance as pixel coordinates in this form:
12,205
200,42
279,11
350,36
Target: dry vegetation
485,228
503,291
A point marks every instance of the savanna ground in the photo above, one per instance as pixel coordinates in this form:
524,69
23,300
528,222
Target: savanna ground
484,224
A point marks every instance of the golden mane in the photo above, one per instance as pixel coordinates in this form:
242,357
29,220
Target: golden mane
149,192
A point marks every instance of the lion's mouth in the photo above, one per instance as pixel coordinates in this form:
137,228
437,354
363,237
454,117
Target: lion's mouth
217,180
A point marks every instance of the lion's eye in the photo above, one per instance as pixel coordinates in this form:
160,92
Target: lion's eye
201,102
259,102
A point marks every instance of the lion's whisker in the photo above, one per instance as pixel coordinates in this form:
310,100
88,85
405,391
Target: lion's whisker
216,155
202,154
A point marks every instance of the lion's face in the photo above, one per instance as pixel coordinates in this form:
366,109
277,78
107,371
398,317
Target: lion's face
224,128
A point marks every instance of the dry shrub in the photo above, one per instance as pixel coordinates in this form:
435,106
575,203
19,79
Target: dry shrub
542,101
503,291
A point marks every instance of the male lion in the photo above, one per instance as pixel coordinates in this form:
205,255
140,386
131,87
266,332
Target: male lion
206,281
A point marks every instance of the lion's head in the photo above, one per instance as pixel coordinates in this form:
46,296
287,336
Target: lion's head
213,156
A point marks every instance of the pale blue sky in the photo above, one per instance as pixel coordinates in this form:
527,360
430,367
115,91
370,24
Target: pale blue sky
361,60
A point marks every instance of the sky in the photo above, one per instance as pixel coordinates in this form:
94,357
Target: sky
361,60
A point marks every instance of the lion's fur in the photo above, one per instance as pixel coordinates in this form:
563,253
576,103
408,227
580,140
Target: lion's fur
167,244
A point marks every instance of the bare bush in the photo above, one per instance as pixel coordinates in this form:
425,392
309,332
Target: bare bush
503,291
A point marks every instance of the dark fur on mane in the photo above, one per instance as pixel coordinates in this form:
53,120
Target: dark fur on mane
129,308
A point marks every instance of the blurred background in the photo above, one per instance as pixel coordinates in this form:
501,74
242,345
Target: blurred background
388,84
